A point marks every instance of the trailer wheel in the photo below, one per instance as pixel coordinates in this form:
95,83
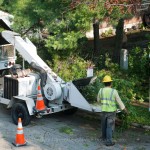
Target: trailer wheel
70,111
19,110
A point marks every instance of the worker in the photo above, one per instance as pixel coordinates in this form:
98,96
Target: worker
109,98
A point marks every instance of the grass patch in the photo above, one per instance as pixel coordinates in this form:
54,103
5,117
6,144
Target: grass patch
66,130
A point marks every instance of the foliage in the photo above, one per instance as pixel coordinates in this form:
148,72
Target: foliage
71,68
139,115
136,115
107,33
1,29
90,91
65,21
138,62
139,70
1,2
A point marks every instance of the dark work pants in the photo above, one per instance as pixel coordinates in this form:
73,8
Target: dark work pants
108,125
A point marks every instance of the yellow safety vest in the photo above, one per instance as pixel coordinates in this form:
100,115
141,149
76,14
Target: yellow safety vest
107,99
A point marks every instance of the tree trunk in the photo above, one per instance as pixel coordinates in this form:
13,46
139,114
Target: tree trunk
118,41
96,36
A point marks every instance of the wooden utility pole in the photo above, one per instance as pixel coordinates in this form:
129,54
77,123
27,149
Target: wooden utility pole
96,35
118,41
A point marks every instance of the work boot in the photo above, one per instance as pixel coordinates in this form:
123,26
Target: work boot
110,144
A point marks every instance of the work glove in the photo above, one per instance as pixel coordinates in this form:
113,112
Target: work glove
125,111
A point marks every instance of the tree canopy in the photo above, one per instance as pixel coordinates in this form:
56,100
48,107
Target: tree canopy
65,21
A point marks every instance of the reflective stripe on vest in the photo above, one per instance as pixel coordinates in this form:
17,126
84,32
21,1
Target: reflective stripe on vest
108,102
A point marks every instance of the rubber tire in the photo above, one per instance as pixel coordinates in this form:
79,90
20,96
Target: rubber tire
70,111
19,110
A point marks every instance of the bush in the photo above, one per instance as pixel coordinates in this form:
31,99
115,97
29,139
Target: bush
71,68
139,63
139,71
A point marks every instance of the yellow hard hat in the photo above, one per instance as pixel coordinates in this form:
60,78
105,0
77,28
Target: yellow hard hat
107,79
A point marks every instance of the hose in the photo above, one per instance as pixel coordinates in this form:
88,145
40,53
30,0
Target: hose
43,73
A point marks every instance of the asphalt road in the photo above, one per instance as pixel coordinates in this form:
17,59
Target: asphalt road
61,132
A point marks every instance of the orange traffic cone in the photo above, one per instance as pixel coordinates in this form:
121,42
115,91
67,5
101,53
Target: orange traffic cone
20,140
40,106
